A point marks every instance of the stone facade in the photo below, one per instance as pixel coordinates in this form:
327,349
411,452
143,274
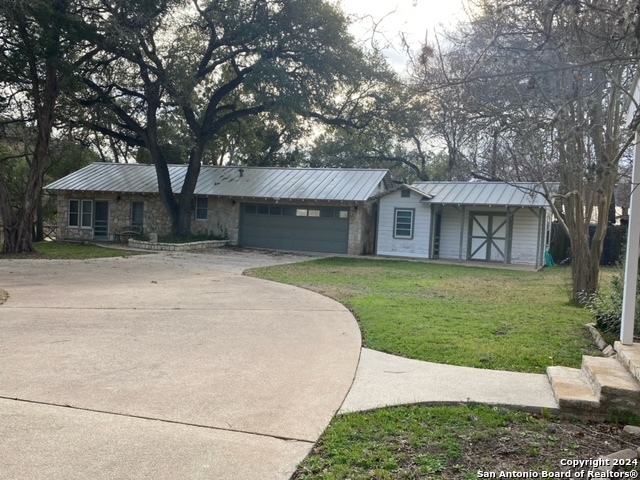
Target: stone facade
120,206
223,218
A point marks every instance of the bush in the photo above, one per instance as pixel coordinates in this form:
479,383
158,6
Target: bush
606,307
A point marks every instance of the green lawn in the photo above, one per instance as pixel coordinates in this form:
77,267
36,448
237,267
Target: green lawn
476,317
418,442
72,251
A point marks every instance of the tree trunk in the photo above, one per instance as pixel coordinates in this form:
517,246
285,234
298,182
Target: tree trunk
585,270
187,197
180,210
19,223
39,234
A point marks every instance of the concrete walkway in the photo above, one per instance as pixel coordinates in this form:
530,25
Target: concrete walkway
384,380
164,367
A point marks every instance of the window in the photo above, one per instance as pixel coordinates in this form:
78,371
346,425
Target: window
263,209
314,213
301,212
202,208
137,214
403,226
74,213
87,213
405,193
81,213
327,212
344,214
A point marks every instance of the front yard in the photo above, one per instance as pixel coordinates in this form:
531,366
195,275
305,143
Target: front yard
475,317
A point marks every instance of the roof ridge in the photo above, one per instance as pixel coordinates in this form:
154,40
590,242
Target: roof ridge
252,167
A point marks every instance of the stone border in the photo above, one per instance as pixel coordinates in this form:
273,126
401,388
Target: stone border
4,296
177,247
606,349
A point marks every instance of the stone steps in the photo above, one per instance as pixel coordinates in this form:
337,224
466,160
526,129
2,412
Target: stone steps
601,385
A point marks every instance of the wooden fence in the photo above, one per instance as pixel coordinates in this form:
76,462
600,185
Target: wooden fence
615,239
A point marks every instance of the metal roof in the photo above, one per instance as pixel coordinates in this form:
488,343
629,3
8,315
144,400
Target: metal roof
521,194
354,185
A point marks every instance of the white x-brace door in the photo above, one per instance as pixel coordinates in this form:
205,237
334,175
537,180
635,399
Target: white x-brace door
487,237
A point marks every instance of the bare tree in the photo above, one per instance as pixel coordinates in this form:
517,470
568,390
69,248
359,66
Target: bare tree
548,82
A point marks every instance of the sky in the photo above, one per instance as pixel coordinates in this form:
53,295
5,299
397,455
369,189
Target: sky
414,18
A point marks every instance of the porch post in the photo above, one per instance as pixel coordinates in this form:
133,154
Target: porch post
633,245
540,248
461,233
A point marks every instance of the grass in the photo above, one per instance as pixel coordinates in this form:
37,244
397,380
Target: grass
452,443
476,317
71,251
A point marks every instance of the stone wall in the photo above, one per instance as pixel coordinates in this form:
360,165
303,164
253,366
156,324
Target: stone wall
223,220
155,218
178,247
65,232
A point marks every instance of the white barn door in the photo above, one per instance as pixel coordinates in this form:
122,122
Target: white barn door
487,237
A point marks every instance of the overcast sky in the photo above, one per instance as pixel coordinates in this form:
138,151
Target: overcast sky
411,17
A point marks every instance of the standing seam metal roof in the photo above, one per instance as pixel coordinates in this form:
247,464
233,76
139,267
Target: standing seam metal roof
256,182
524,194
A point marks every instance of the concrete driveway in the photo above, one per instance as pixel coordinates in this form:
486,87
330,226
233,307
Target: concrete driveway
166,366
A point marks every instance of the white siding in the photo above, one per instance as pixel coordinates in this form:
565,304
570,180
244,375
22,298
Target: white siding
524,243
450,233
418,246
524,240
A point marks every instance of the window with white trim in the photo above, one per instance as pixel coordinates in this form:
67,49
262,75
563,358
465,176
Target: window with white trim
403,223
81,213
74,213
137,214
202,208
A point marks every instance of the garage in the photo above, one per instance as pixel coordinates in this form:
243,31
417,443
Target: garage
295,227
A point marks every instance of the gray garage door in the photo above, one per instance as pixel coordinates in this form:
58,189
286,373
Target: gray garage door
313,229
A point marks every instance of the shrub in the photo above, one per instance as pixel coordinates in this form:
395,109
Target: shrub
606,307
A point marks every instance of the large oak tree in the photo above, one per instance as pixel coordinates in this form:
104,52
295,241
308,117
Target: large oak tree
211,65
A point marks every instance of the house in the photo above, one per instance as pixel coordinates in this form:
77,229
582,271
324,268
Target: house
484,221
321,210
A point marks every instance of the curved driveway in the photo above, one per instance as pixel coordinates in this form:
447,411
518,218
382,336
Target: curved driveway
175,366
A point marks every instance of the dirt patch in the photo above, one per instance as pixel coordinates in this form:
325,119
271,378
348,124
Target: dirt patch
518,448
542,445
4,295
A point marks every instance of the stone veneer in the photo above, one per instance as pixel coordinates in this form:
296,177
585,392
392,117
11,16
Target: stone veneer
177,247
155,218
223,218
